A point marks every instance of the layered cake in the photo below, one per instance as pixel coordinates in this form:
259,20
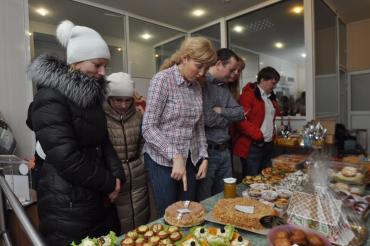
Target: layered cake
184,214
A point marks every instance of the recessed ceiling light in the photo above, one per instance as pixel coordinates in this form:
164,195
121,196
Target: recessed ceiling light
29,33
238,28
303,55
198,12
279,45
119,49
156,55
297,9
146,36
42,11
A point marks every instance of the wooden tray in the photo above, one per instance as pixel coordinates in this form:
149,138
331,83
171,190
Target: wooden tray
210,218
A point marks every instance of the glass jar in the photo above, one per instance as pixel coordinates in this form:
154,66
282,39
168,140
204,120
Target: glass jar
229,187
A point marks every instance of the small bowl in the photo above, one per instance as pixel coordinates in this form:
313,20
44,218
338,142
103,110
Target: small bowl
254,192
269,195
289,228
260,186
284,193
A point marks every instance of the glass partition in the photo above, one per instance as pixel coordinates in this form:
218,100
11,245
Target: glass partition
273,36
213,33
164,51
42,28
326,76
144,38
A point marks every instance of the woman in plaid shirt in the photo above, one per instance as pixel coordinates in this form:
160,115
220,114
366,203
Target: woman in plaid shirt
173,125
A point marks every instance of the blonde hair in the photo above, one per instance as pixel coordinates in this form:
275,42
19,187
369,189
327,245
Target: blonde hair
199,49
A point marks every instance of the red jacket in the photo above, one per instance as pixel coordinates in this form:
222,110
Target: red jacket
248,130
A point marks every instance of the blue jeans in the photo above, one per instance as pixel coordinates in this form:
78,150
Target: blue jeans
219,167
167,190
259,157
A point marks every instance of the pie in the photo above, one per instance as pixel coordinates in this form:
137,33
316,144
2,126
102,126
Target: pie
225,212
175,214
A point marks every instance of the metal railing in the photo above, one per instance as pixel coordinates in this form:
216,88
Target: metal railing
17,207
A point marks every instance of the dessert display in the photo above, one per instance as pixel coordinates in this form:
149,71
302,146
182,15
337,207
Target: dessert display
185,214
294,235
226,212
288,163
226,235
155,234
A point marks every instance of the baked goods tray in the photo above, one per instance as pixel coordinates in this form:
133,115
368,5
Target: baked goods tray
209,217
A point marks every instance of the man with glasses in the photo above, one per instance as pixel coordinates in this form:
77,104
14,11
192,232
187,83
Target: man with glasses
253,143
220,110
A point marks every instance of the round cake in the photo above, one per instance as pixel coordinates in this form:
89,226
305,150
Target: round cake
184,214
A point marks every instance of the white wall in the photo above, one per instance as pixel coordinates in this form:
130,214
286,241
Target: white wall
15,88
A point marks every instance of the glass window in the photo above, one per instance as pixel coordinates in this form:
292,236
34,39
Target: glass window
213,33
273,36
326,81
164,51
360,87
42,27
144,38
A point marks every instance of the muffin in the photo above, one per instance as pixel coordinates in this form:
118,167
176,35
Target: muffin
154,240
148,234
282,234
142,229
172,229
176,236
139,241
315,240
157,228
132,234
127,242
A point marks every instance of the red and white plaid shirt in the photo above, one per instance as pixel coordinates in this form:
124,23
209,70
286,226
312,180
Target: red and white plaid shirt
173,119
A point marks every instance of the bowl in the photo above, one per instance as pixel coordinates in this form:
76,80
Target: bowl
284,193
269,195
271,236
259,186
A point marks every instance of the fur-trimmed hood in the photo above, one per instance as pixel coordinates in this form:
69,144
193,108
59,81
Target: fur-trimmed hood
51,72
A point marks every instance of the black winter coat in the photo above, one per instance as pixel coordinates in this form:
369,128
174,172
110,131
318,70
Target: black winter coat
81,165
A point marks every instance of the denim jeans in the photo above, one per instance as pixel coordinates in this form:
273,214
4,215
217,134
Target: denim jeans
259,157
167,190
219,167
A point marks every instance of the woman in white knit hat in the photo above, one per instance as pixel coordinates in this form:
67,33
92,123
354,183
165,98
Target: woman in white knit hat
81,175
124,122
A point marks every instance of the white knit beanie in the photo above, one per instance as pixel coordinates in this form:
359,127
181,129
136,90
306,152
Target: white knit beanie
120,85
82,43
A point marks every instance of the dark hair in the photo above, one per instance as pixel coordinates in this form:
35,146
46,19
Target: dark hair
225,54
268,73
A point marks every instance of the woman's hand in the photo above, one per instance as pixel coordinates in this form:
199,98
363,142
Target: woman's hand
113,196
202,171
179,170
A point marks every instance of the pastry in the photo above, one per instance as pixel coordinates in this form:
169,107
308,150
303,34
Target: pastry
139,241
127,242
315,240
282,234
162,234
157,228
132,234
281,203
176,236
148,234
165,242
282,242
349,171
154,240
298,234
195,216
142,229
224,211
172,229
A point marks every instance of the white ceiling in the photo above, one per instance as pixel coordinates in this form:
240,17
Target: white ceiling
177,13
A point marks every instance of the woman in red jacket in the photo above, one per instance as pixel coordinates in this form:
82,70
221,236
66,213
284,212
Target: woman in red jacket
254,142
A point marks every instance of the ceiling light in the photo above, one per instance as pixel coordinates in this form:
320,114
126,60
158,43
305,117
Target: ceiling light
42,11
198,12
119,49
146,36
29,33
297,9
303,55
156,55
238,28
279,45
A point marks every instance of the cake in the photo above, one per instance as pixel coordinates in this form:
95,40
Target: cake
184,214
225,212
